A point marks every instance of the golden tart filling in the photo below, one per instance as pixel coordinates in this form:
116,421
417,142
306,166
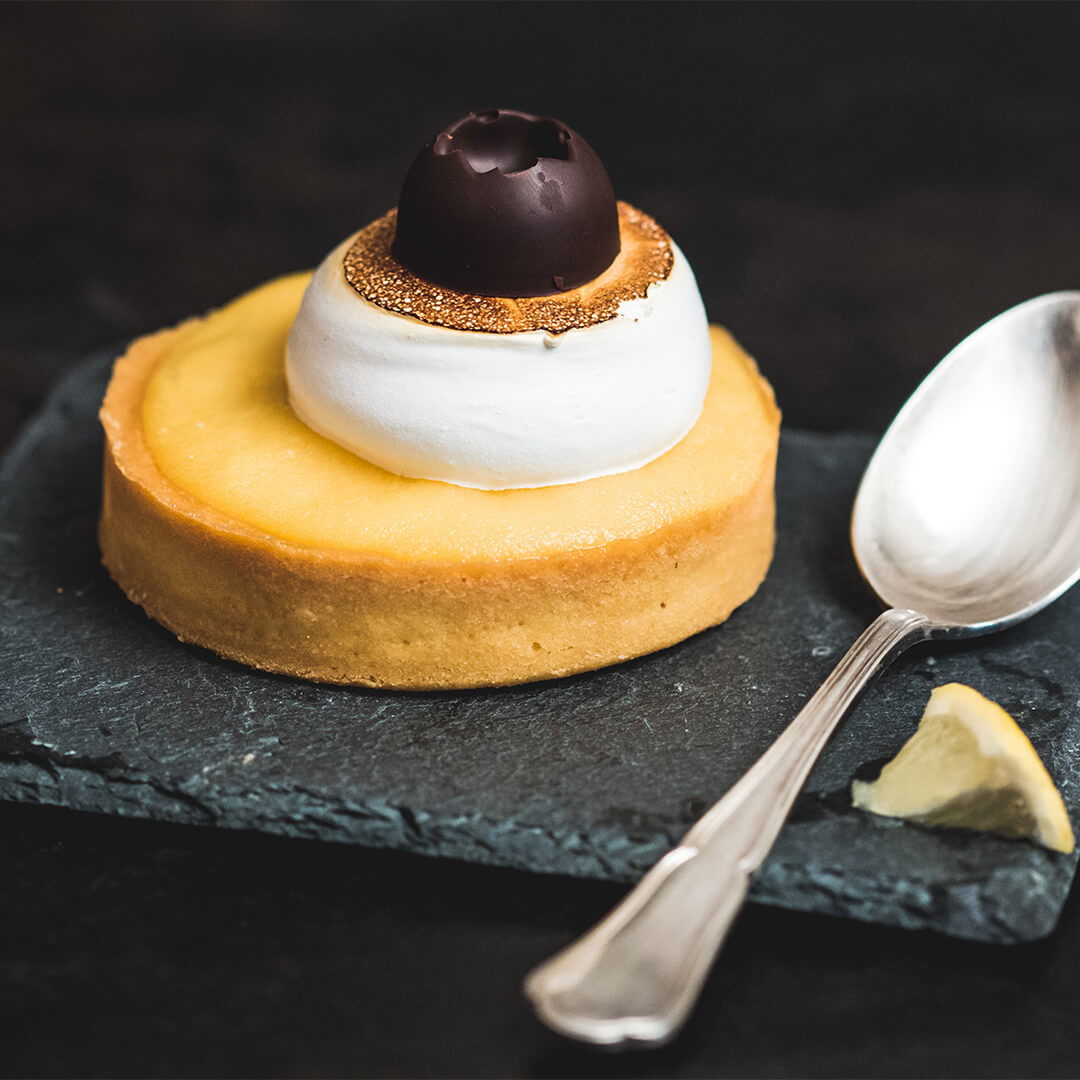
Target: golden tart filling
217,422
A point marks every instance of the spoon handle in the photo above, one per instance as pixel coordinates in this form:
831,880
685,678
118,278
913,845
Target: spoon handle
633,978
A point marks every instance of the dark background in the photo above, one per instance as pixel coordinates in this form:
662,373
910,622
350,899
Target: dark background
857,187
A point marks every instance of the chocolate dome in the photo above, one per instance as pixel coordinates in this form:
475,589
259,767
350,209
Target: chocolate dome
503,203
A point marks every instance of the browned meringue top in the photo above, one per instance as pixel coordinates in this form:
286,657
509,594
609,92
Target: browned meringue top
645,259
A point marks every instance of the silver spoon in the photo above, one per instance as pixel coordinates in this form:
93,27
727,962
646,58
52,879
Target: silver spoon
967,520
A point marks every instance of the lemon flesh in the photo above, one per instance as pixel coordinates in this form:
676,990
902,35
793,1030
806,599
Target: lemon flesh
969,766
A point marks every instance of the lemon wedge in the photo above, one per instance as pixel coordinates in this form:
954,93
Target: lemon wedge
969,766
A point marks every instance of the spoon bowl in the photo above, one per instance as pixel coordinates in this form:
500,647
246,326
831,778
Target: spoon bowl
967,520
969,511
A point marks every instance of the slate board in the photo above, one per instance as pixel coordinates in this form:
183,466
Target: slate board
596,775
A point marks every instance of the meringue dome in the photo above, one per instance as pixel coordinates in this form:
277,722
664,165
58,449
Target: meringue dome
502,410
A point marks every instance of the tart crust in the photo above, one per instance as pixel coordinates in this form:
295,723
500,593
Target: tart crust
427,619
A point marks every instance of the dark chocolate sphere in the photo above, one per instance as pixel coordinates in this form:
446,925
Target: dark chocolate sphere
503,203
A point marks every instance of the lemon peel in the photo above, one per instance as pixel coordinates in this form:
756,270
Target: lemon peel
969,766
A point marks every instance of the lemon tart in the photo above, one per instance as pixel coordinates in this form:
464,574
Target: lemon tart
248,524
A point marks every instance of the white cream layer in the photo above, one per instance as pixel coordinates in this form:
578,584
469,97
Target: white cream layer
497,411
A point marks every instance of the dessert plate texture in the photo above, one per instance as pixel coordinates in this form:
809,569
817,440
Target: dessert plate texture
594,776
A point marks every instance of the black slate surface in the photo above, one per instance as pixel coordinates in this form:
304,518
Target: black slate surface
592,776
